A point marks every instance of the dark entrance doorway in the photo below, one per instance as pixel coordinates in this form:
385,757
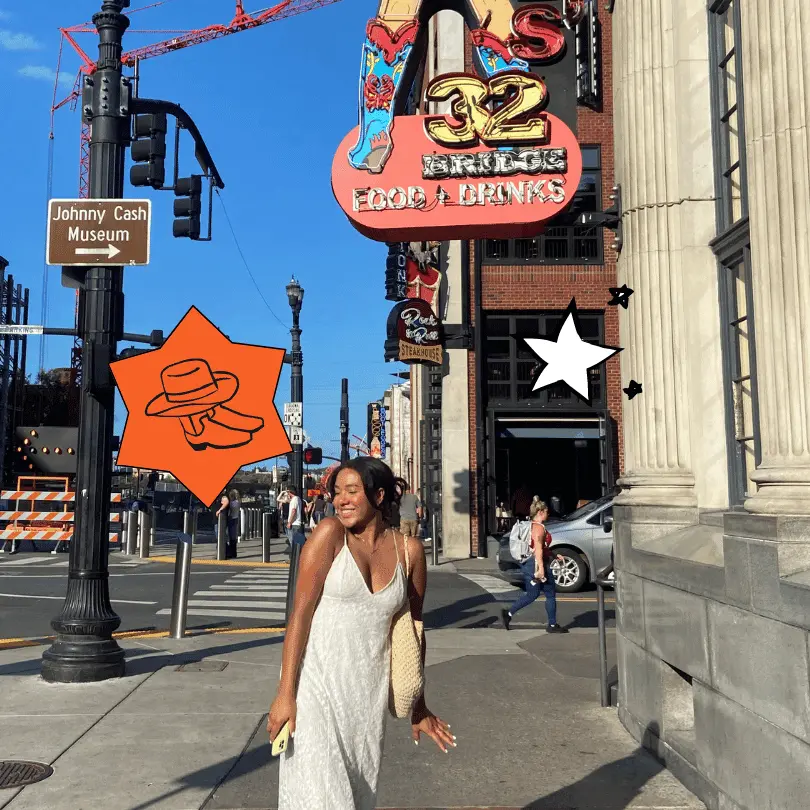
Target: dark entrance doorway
552,457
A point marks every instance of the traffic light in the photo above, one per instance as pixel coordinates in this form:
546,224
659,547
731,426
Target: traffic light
188,208
149,151
313,455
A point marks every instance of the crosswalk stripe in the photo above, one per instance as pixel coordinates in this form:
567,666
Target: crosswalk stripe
259,588
228,592
235,614
233,603
29,561
501,590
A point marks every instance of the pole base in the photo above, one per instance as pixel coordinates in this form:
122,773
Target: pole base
73,661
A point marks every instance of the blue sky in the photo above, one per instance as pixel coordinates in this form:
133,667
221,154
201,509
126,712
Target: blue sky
272,104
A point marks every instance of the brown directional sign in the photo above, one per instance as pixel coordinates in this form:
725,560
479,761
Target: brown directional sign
107,232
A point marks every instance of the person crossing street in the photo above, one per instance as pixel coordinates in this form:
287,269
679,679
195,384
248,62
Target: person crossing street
536,568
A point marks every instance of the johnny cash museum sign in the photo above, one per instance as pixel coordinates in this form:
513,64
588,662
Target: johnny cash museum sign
497,165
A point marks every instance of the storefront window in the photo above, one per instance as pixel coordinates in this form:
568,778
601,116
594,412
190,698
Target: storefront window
564,242
512,367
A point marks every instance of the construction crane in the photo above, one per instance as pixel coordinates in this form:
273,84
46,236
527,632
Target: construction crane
181,39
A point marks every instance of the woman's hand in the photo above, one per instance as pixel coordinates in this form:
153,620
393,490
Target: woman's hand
423,721
282,710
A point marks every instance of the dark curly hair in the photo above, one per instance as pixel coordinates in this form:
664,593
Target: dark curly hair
376,476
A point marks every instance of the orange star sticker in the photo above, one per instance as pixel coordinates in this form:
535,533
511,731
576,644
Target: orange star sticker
201,406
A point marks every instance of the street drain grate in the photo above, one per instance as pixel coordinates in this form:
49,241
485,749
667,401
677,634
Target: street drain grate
202,666
14,774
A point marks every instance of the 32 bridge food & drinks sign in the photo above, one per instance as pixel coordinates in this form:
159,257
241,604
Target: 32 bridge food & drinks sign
498,165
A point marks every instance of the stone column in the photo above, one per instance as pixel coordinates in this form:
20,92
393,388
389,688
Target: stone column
776,84
663,162
455,529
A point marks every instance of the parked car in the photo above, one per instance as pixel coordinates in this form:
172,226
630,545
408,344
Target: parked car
585,540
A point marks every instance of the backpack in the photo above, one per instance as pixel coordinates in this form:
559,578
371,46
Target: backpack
520,539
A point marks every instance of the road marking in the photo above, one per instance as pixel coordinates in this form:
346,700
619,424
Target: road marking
235,603
247,589
235,614
251,594
237,563
62,598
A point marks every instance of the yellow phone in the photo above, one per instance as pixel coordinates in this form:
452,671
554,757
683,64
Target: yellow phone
282,738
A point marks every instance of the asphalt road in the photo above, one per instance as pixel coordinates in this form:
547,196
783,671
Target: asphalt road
32,589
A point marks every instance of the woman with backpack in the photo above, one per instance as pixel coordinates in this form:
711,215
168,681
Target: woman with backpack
529,545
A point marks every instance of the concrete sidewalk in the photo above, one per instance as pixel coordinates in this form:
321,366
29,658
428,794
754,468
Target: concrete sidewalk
523,704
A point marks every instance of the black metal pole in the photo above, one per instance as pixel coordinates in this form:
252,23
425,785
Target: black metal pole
344,420
297,471
84,649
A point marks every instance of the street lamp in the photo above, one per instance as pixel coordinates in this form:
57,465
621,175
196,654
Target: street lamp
295,296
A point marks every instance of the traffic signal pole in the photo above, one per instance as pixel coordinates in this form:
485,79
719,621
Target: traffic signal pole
84,649
344,420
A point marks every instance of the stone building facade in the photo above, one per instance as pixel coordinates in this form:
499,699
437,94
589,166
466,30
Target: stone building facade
712,528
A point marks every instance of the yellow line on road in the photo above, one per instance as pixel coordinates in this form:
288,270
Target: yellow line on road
16,643
238,563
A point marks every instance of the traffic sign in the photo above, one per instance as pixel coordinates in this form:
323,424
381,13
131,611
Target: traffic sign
293,413
296,434
21,329
103,232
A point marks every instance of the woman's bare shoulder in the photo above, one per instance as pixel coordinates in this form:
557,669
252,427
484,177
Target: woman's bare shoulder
327,536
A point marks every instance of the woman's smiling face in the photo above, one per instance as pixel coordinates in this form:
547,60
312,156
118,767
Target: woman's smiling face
352,507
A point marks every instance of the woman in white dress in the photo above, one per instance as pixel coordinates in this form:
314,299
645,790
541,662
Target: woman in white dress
336,660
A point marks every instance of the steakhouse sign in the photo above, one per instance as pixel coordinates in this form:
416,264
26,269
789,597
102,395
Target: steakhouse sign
496,166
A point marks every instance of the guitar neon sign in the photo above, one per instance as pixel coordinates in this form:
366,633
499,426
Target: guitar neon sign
498,165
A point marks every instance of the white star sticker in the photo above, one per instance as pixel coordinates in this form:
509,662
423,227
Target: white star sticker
569,357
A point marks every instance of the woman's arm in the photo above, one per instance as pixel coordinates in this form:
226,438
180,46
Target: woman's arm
316,560
224,503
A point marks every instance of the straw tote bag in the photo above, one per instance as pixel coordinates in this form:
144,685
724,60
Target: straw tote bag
407,672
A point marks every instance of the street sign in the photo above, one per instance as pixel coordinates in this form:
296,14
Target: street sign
21,329
296,434
293,413
103,232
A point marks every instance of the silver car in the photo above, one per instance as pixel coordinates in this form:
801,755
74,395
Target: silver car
584,539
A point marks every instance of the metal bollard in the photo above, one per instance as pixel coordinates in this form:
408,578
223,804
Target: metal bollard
266,520
132,533
186,522
193,527
242,527
222,536
434,540
182,575
295,553
144,525
601,581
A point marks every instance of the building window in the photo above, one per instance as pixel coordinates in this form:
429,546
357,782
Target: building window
511,367
727,112
732,246
563,241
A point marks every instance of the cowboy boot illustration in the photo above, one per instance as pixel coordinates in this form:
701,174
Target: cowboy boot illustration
235,420
385,54
194,395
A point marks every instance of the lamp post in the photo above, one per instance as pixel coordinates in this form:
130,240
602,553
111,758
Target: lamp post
295,297
84,649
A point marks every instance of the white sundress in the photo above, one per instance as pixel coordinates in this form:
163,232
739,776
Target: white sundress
334,760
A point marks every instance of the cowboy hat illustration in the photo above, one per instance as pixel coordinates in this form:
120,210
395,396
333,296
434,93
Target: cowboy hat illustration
196,396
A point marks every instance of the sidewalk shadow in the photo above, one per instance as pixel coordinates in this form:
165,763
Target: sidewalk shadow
590,619
462,610
617,784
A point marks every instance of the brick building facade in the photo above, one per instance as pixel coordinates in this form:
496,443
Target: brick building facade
545,285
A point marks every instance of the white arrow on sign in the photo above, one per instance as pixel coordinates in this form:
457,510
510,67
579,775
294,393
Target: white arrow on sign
109,251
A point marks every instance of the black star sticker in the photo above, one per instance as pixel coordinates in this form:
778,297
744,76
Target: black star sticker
633,389
621,295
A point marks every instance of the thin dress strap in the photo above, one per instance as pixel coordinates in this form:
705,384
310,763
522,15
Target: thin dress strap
345,537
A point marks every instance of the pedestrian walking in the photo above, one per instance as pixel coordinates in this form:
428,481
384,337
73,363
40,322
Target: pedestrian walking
535,563
410,511
356,575
295,518
234,519
318,508
329,508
